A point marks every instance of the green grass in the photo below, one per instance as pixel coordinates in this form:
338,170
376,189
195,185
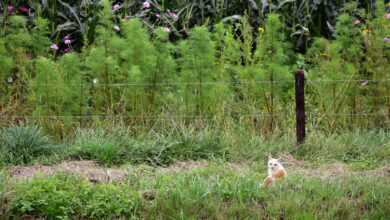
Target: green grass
118,145
22,144
215,192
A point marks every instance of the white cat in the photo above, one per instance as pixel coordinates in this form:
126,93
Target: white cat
276,171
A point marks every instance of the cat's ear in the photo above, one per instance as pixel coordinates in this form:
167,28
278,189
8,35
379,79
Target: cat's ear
278,159
269,156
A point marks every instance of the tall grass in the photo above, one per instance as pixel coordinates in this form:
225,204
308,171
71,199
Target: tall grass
21,144
117,146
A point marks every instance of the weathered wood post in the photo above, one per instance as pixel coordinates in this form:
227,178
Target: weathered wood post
300,105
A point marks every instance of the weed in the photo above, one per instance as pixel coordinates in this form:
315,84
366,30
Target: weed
21,144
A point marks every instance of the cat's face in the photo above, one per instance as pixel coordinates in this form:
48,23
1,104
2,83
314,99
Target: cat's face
273,164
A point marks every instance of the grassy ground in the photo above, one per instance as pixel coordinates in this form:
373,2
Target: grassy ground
340,176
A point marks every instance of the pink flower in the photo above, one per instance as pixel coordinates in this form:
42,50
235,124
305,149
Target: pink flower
146,5
66,50
386,39
356,22
387,16
54,47
117,28
167,29
24,9
10,9
158,15
67,39
116,7
173,15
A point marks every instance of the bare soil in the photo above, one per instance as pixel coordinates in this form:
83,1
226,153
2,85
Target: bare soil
331,170
97,174
87,169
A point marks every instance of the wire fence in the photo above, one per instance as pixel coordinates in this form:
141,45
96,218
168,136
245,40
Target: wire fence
315,112
364,82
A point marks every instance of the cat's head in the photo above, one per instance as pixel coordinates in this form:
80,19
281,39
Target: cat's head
273,163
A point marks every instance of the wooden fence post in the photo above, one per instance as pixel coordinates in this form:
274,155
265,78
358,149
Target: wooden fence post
300,105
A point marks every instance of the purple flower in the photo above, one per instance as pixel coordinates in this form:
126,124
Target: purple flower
10,9
173,15
117,28
67,39
146,5
167,29
66,50
386,39
54,47
387,16
24,9
158,15
116,7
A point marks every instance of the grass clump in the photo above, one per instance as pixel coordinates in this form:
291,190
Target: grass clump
105,147
118,146
23,144
361,148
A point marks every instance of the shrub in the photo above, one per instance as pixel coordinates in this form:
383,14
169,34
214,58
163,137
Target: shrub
62,197
21,144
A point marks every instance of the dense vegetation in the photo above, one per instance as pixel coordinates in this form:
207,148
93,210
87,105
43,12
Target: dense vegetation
216,192
139,85
216,77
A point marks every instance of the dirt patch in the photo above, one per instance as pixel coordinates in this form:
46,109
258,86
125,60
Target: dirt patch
290,161
332,170
85,169
181,166
94,173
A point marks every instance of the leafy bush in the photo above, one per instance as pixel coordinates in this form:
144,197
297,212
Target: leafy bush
63,197
21,144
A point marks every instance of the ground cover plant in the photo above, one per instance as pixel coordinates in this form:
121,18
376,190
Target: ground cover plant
214,192
168,109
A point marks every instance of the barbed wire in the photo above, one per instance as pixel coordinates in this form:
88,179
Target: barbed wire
308,114
207,83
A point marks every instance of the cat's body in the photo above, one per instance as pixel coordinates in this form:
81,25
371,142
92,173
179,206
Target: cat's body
276,171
